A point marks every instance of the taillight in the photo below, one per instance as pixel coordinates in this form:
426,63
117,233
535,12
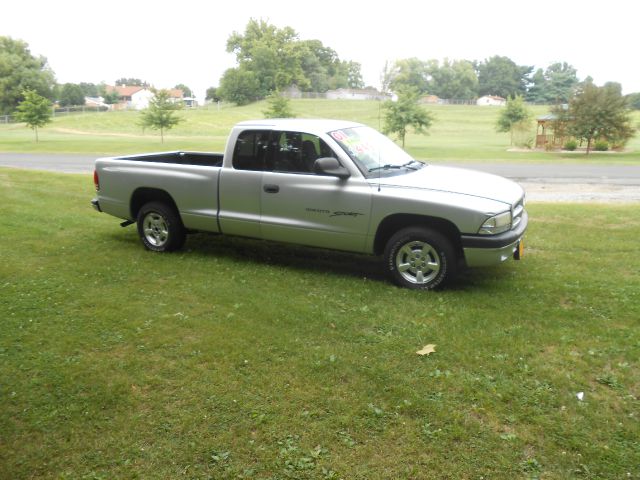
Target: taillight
96,180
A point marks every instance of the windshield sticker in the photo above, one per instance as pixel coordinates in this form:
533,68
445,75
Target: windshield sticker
339,136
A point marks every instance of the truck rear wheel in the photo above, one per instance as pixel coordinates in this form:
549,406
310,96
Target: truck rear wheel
160,227
420,258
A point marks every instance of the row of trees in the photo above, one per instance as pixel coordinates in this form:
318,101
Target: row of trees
20,70
593,114
465,79
271,59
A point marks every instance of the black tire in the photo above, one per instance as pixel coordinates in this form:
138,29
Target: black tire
420,258
160,227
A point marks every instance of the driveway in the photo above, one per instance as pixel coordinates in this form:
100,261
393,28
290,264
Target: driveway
543,182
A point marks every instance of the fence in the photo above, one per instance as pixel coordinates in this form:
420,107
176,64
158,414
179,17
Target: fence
58,112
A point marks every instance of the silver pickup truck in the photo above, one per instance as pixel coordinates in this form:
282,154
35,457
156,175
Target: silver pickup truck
322,183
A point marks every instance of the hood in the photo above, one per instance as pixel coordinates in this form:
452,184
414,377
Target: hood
457,180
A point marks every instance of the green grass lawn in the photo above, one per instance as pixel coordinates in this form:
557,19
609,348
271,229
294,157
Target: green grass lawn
242,359
459,133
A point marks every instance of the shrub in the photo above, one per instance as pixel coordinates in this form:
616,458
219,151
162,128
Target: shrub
571,145
601,146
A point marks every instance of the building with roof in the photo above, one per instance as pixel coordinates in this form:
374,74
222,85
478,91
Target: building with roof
491,100
138,97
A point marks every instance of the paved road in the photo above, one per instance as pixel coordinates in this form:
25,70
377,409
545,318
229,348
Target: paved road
551,182
66,163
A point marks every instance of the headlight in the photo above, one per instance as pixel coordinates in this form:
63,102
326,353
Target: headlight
496,224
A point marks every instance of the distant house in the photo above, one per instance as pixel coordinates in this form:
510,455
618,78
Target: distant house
430,100
95,102
491,100
190,102
137,97
356,94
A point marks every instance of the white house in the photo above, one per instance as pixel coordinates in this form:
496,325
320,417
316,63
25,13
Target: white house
356,94
491,100
137,98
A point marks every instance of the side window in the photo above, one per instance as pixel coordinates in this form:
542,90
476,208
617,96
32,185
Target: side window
296,152
251,150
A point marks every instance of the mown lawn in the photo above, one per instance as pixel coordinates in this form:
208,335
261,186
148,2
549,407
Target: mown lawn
459,133
242,359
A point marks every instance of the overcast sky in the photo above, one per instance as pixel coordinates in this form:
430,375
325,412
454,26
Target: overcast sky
166,43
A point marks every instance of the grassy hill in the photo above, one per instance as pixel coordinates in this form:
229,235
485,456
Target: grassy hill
459,133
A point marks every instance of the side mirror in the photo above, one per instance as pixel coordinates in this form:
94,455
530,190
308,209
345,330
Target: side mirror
330,166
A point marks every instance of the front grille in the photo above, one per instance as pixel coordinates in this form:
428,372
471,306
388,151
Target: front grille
516,213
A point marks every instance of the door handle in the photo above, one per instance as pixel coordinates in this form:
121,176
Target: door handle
270,188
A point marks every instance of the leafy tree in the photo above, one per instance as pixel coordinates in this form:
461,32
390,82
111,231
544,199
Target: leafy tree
501,76
409,74
212,94
239,86
515,113
131,82
271,58
109,97
278,107
89,89
20,71
354,75
555,85
598,113
161,113
634,100
455,79
186,91
34,110
405,113
71,94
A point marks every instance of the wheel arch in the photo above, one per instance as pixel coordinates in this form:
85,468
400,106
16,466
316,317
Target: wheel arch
144,195
396,222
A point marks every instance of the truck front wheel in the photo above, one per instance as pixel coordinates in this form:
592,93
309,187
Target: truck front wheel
160,227
420,258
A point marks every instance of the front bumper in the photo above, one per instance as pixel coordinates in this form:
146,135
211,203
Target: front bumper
483,251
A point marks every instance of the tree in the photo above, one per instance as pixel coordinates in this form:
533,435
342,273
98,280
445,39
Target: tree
109,97
212,94
239,86
278,107
555,85
131,82
34,110
270,58
455,79
71,94
598,113
89,89
186,91
19,71
514,113
633,99
409,74
501,76
406,113
161,113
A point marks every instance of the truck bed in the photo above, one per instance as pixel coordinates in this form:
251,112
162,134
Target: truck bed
182,158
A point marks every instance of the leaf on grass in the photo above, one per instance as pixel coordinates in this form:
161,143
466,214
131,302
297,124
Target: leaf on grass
427,349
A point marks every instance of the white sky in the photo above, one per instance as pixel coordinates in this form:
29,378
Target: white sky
166,43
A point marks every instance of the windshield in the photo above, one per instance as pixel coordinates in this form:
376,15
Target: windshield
372,151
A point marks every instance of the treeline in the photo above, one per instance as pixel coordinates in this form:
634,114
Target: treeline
271,59
498,75
20,71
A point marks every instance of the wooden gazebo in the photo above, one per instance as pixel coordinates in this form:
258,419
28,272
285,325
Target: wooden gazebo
545,135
